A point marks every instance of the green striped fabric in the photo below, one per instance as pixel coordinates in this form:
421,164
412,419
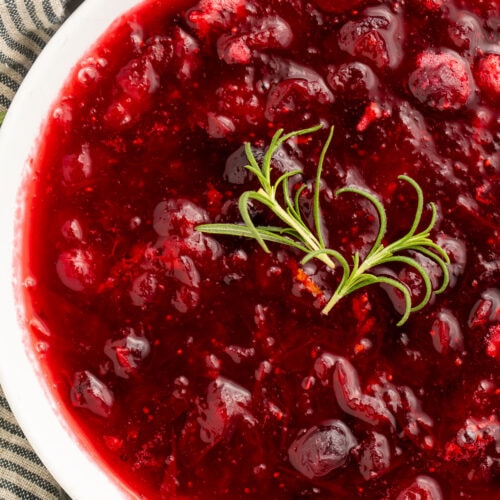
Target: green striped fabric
25,27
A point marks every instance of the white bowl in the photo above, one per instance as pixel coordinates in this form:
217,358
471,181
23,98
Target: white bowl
82,475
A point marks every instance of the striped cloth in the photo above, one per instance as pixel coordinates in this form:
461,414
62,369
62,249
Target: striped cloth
25,27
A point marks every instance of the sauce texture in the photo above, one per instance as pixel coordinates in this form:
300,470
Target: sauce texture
201,367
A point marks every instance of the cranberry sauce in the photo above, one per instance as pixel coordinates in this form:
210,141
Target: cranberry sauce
200,366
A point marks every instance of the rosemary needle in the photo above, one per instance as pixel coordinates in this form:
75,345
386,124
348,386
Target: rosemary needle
297,234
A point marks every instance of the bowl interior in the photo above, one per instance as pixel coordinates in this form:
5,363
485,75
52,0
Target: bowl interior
72,465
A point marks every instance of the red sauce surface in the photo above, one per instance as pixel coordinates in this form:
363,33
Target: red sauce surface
200,366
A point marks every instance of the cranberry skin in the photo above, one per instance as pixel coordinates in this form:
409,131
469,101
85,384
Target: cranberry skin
374,456
477,438
466,32
185,299
143,289
294,95
186,272
286,97
77,168
295,90
377,38
219,126
492,341
88,392
322,449
486,310
136,82
235,171
138,79
159,52
271,32
442,80
353,401
446,333
456,249
77,269
337,6
356,81
215,15
177,217
72,230
199,245
416,424
234,49
186,58
226,402
128,353
487,74
424,488
484,319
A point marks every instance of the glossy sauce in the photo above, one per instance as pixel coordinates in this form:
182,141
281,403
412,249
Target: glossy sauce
200,366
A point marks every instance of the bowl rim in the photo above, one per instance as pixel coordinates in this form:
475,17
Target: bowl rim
77,470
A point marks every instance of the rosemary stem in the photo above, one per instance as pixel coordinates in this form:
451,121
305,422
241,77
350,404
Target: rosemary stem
371,261
337,295
306,235
296,232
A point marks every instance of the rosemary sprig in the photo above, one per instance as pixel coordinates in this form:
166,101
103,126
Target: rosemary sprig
358,275
297,234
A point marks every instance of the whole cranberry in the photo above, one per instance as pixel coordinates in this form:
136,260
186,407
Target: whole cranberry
377,37
423,487
487,74
77,269
177,217
322,448
442,80
88,392
355,80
